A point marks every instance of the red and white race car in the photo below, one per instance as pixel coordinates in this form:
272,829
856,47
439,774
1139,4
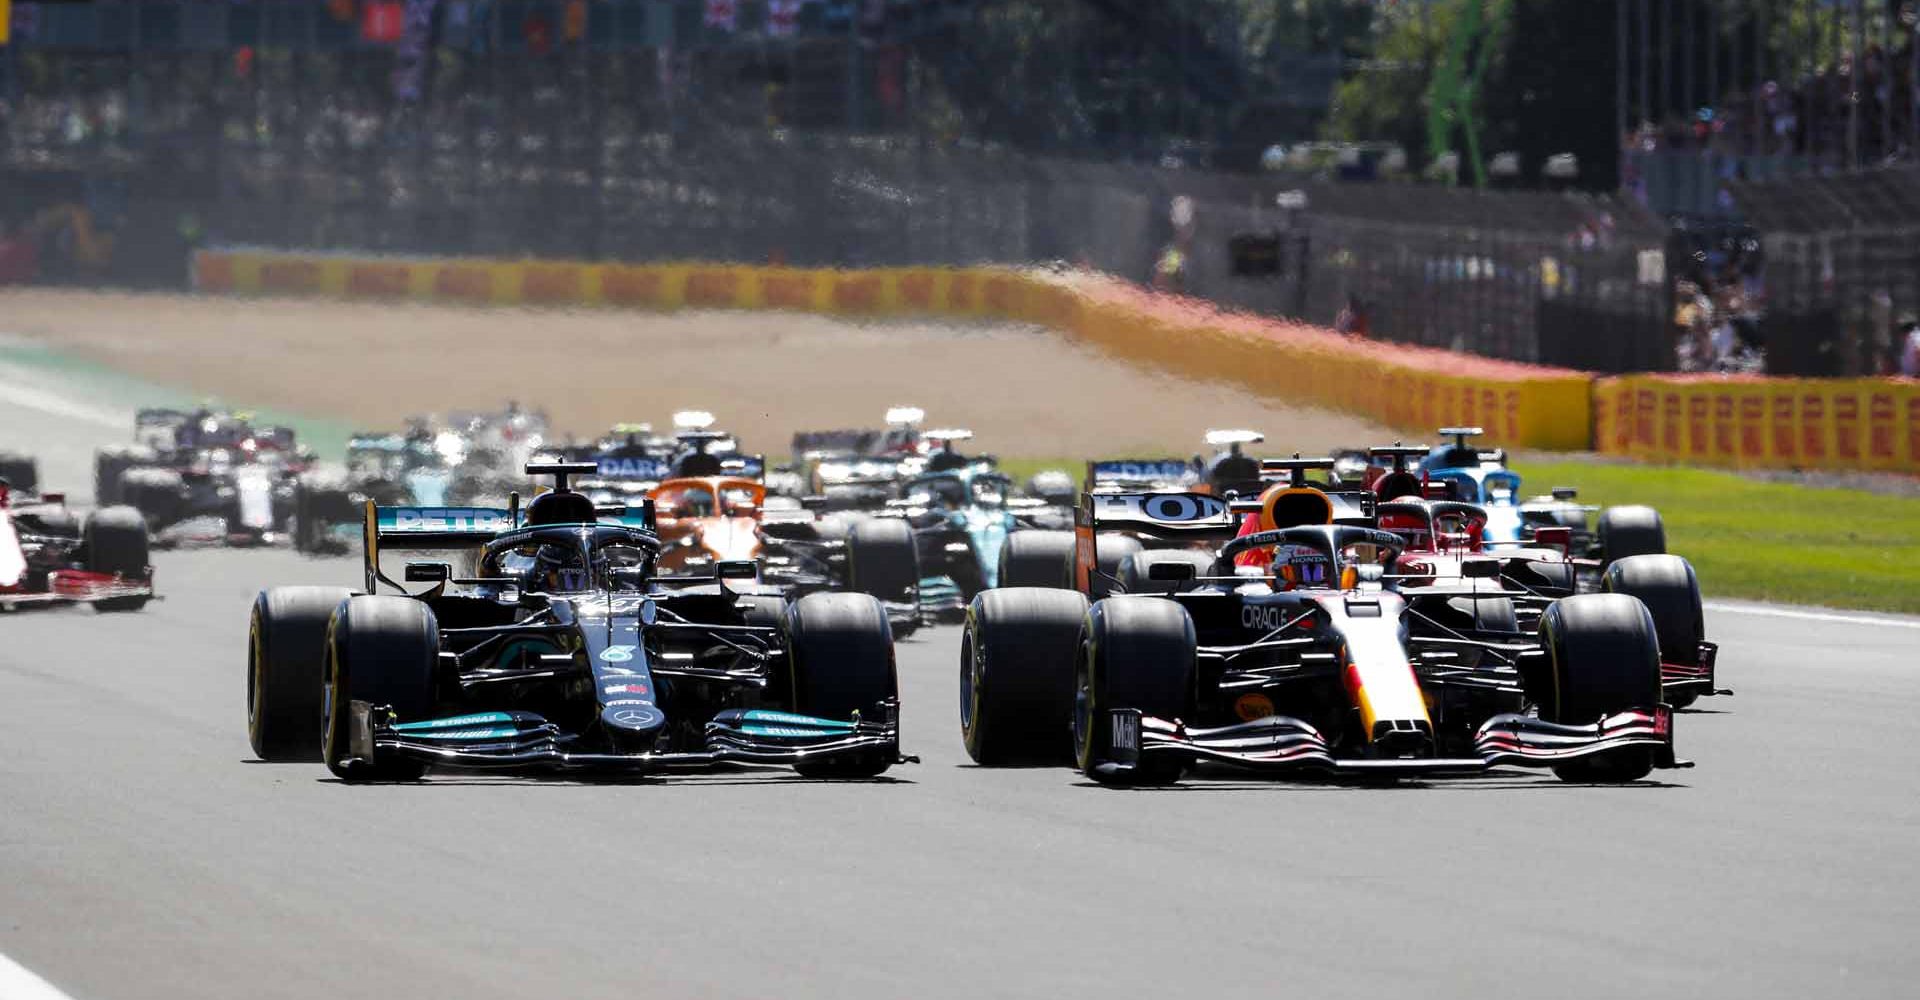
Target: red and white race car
49,556
1446,544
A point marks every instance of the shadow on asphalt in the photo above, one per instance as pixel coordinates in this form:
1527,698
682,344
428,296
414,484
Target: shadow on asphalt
1503,783
652,781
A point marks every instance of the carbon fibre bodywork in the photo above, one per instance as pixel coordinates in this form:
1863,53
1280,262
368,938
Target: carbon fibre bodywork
609,666
1356,673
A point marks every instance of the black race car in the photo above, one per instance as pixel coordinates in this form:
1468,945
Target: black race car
1293,650
555,645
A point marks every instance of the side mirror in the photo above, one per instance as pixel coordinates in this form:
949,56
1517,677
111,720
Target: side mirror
813,502
1170,571
1565,493
629,578
1480,569
1558,536
428,572
59,498
736,569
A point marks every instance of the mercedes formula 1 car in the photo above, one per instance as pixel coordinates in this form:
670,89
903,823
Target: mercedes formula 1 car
1294,652
48,556
546,639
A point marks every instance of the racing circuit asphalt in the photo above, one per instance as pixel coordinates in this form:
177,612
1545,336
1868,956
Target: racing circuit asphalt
143,854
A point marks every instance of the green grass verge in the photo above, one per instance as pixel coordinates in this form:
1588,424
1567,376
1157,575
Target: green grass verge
1748,539
1766,541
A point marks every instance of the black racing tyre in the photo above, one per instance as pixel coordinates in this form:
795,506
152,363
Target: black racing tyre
20,471
318,508
835,527
1037,559
383,650
159,494
56,523
1110,552
109,464
882,559
1137,652
1570,517
286,660
1488,614
1017,658
1604,658
1137,569
765,610
1667,586
1631,531
115,539
1548,579
840,652
305,538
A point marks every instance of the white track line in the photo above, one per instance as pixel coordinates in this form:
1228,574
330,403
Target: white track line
24,394
1811,616
17,982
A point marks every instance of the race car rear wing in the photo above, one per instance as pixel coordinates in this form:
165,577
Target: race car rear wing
856,441
633,468
1140,472
405,529
1164,515
744,466
1195,517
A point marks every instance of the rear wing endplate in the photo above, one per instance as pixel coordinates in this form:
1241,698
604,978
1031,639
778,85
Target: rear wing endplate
1186,516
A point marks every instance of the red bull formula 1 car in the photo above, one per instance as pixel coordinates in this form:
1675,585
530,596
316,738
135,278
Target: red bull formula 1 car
1309,660
49,556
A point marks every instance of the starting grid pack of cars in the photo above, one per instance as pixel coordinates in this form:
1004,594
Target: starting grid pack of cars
649,602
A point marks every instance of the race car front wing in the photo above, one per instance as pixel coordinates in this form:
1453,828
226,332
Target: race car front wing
1281,743
73,586
525,740
1696,677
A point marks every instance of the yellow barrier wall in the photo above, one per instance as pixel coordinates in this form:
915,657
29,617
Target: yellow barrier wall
1750,422
1839,424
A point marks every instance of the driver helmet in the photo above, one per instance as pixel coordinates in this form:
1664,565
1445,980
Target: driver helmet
1455,531
557,569
948,493
1412,527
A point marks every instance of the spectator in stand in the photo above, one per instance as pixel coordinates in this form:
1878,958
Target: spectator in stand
1352,319
1170,270
1910,357
1691,309
1883,347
